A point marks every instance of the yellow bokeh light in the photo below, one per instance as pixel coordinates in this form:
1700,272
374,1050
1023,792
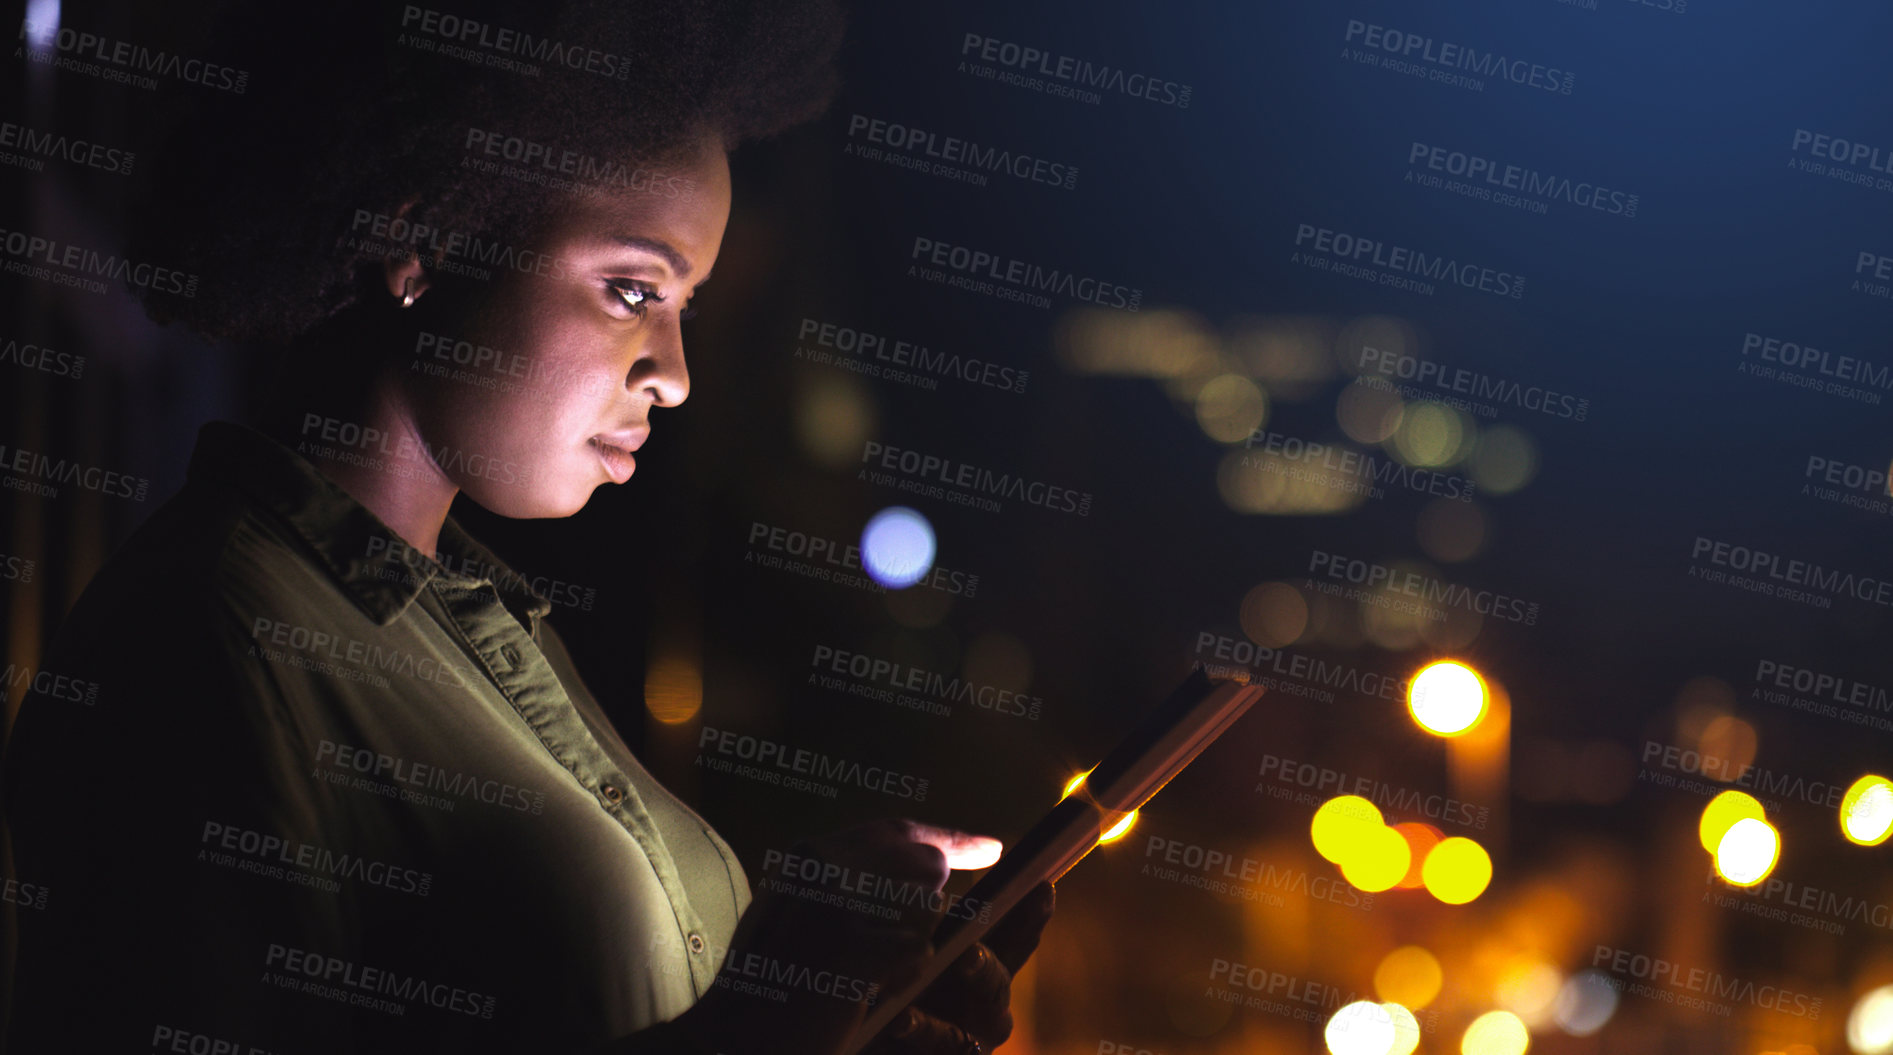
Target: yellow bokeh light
1529,989
1866,811
1457,870
1430,435
1409,975
1447,698
1406,1030
1870,1023
1722,813
1229,407
1361,1028
1506,460
1495,1033
1074,784
1343,825
1117,831
673,684
1748,852
1378,862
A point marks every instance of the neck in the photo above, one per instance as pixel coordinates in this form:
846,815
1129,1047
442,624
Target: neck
365,440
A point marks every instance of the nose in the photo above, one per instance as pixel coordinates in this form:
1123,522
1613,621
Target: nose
660,368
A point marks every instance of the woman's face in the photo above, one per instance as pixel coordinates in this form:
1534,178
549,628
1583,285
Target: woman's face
546,384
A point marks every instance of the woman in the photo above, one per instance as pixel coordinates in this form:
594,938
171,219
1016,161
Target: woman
342,789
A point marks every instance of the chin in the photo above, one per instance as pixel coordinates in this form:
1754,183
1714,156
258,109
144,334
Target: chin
539,504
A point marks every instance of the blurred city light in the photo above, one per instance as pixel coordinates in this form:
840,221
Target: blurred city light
1343,825
897,547
1495,1033
1721,814
1378,862
1748,852
1409,975
1870,1023
1457,870
1406,1030
1229,407
1120,829
1074,784
1361,1028
1421,838
1447,698
1585,1003
1866,811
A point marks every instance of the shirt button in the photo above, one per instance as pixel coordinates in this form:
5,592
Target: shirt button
511,655
613,794
696,943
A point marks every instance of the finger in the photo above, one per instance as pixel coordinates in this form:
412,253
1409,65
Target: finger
1014,938
963,850
918,1033
974,994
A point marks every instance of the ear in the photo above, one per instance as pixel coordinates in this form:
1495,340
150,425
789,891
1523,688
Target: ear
403,273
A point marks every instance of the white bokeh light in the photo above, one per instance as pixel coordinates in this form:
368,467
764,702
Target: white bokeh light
897,547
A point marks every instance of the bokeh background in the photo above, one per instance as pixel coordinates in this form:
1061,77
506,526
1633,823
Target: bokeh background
1695,371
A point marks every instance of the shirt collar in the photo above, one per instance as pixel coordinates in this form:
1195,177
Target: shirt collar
372,564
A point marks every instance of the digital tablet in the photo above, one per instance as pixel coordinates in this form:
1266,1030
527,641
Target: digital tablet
1193,716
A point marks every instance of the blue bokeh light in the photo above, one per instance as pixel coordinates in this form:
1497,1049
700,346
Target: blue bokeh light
897,547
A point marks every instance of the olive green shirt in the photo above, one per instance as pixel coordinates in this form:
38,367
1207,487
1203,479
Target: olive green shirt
330,795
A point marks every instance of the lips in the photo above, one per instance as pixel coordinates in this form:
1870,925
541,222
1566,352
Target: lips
614,451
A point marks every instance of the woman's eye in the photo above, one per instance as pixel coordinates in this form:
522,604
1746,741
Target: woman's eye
636,297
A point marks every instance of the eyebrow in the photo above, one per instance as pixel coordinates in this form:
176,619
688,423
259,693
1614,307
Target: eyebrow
662,248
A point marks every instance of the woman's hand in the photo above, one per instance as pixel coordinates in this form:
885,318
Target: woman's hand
847,917
969,1008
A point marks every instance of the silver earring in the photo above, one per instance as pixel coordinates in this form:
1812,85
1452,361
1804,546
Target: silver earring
407,292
